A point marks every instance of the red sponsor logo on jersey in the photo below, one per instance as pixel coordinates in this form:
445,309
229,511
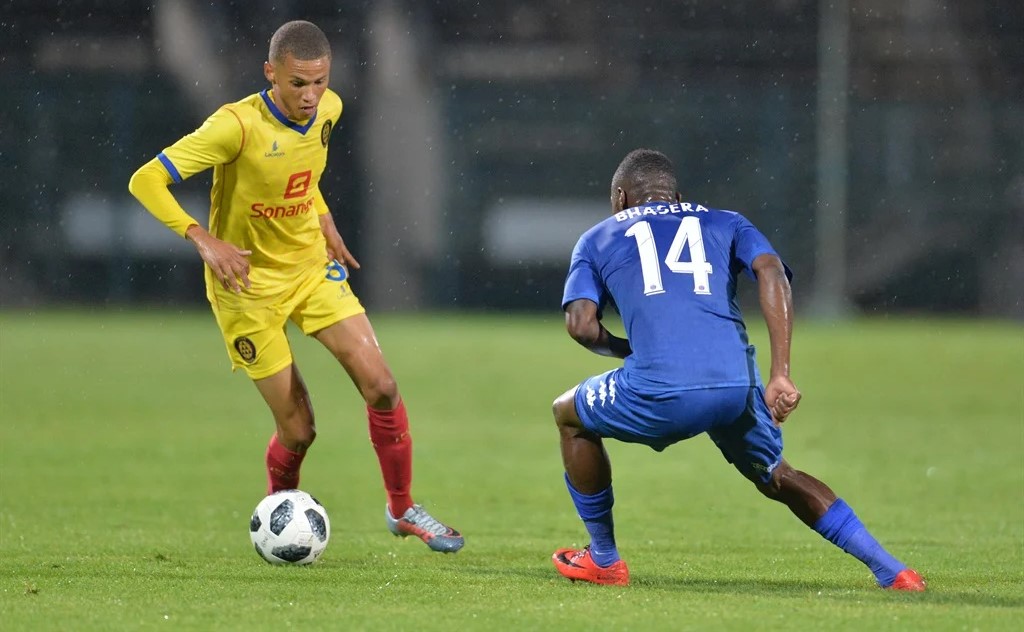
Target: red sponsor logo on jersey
272,211
298,185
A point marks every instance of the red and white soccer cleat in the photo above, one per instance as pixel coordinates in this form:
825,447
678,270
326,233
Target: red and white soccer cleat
908,580
576,564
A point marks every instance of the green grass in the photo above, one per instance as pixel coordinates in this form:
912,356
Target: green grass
131,458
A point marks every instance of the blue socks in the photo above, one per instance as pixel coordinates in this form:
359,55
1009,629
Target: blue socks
841,527
596,513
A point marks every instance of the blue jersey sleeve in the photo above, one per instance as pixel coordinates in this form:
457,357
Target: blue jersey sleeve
749,243
583,280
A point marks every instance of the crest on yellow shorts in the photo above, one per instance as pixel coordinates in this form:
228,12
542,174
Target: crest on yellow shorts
246,349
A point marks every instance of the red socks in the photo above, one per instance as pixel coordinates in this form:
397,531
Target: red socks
282,466
389,434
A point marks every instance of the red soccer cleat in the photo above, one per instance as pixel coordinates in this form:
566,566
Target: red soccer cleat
908,580
577,564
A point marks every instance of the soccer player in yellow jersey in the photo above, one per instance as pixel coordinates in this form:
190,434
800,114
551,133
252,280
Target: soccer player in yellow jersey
273,254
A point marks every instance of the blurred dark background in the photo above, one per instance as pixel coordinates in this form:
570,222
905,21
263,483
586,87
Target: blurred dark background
878,143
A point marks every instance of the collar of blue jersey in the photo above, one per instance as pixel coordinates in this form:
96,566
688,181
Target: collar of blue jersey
279,115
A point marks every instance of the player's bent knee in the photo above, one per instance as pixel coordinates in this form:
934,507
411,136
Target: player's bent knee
298,427
564,410
307,436
297,439
381,393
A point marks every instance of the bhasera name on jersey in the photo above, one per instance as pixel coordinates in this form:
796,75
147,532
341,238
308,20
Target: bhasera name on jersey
269,211
659,209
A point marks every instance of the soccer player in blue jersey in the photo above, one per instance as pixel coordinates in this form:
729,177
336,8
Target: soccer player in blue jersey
671,268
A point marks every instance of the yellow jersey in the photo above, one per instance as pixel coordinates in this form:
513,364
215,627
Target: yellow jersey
266,173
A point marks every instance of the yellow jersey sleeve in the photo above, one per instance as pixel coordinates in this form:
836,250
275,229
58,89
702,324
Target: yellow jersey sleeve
149,186
218,141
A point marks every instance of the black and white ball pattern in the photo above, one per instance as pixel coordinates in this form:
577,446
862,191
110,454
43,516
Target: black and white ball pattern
290,527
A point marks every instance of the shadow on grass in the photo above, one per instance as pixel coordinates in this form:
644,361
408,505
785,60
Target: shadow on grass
830,590
796,588
161,568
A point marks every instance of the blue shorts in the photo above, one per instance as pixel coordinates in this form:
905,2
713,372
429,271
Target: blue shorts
735,417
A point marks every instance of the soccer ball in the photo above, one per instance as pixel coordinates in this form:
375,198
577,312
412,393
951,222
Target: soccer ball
290,527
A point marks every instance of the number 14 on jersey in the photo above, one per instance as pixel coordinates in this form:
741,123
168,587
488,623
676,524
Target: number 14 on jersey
688,234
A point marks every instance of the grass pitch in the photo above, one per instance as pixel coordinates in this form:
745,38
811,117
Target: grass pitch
131,459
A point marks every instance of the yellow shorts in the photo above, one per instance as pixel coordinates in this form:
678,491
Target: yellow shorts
254,323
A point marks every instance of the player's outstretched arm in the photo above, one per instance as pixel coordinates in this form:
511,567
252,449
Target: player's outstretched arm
583,324
776,298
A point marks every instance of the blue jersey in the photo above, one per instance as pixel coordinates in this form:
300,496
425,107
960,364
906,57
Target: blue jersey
671,271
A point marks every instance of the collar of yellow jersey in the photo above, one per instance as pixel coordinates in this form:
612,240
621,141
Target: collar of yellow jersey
284,120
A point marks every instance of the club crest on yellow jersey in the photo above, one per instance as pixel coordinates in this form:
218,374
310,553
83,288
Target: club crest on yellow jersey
325,132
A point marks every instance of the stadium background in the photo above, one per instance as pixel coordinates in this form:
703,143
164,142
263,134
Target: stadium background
130,459
879,143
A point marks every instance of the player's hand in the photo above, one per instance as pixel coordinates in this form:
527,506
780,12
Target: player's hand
337,251
229,263
782,398
336,248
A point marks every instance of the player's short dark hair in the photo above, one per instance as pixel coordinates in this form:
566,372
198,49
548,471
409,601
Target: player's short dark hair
643,169
304,40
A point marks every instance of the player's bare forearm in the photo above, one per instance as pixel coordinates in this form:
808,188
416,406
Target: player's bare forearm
781,395
336,248
606,344
776,300
583,324
611,345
